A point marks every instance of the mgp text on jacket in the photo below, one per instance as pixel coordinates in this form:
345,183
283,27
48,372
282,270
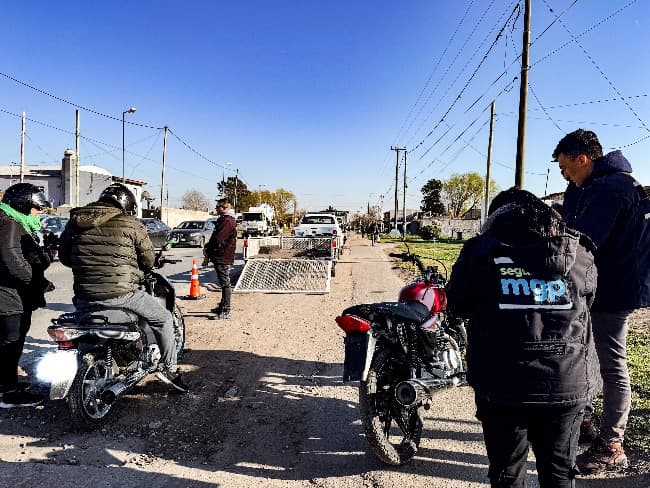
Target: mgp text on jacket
527,298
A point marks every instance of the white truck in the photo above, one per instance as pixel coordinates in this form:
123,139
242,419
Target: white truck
258,221
317,225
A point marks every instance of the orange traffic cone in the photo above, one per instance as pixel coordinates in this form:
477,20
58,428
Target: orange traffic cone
195,287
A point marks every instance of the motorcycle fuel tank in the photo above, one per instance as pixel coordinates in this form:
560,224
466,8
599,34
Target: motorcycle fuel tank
430,295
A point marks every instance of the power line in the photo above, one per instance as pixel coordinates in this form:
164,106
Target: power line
43,92
589,29
602,73
196,152
554,21
462,70
530,87
435,69
460,95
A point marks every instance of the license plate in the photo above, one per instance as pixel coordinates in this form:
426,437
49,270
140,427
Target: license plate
356,351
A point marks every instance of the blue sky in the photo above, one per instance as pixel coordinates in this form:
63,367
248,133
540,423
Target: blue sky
310,95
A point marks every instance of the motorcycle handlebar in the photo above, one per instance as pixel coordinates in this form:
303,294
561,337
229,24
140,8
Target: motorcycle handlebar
431,273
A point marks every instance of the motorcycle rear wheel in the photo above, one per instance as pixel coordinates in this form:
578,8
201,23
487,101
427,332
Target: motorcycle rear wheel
87,409
179,331
393,431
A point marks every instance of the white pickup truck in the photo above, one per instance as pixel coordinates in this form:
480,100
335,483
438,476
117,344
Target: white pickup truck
317,225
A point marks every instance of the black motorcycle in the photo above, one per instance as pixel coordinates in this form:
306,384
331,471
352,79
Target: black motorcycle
102,353
402,352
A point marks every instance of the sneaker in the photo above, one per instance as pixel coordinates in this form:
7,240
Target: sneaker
587,432
602,456
173,379
216,310
224,315
20,398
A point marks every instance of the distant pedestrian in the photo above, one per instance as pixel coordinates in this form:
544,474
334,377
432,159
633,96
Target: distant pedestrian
600,201
22,285
220,249
525,284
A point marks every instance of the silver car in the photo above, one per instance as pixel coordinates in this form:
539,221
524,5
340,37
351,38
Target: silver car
191,233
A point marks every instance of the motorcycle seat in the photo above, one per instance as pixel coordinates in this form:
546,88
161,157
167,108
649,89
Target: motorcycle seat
98,317
412,311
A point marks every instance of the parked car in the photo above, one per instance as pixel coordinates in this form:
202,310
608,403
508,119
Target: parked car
158,232
51,228
191,233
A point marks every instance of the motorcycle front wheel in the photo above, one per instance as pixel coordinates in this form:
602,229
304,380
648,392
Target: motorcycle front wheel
179,331
87,410
392,430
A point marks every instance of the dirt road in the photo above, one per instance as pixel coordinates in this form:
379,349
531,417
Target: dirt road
267,408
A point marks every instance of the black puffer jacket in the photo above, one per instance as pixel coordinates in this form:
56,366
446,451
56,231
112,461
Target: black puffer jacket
527,299
107,251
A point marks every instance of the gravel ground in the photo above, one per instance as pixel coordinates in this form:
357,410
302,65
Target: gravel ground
267,408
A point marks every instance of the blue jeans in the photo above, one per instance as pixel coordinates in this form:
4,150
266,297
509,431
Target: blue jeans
552,431
610,336
150,309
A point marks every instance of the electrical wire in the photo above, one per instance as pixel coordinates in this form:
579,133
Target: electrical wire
602,73
460,95
589,29
43,92
435,69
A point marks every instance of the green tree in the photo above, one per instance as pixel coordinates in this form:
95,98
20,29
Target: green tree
432,197
236,191
463,192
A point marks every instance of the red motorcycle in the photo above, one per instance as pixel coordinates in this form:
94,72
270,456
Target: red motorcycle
401,353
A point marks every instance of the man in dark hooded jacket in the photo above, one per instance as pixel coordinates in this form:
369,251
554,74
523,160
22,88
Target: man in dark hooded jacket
22,285
525,284
109,251
600,202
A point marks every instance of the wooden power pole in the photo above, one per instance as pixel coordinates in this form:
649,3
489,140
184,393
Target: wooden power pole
77,159
22,150
489,164
523,100
404,197
162,183
397,150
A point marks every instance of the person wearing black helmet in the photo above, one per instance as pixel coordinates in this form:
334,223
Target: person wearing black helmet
22,285
109,251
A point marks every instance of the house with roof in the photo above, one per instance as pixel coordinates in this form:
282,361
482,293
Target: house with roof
59,182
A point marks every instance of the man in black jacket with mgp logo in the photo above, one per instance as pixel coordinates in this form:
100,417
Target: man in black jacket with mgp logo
526,284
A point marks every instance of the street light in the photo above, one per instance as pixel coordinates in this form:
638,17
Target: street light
129,111
223,181
262,185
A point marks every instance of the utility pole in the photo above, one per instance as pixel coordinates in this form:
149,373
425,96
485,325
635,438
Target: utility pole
548,170
489,164
236,179
162,184
397,150
22,150
523,100
404,196
76,168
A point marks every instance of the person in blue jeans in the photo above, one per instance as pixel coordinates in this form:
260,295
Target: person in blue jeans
526,284
600,201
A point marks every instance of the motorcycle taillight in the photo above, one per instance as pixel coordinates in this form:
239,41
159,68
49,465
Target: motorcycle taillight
66,345
352,323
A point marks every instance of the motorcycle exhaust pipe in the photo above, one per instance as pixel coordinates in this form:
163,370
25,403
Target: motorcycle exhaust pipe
109,395
413,392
